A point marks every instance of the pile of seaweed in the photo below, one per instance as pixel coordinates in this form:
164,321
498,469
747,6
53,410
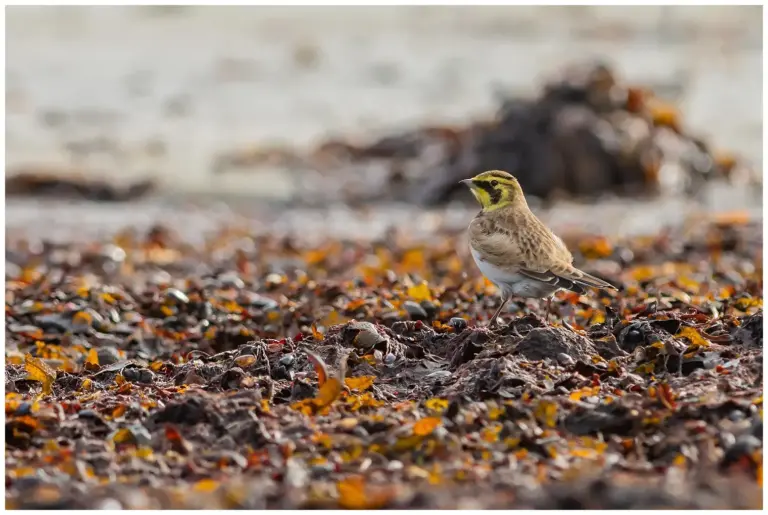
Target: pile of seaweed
257,371
585,135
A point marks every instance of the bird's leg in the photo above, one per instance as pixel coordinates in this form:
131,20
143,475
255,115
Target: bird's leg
549,308
496,315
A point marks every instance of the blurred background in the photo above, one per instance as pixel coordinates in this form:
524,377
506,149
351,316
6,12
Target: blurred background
614,118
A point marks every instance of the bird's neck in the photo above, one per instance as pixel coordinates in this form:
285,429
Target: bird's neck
506,204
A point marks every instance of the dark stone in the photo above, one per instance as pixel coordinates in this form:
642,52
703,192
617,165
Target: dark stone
415,311
458,324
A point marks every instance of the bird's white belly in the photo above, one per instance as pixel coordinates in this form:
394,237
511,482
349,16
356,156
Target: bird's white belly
512,284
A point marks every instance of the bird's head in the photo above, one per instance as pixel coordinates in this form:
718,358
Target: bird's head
495,189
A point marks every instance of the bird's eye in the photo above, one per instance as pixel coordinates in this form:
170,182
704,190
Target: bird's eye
494,183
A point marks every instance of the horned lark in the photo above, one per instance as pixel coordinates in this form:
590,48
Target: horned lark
514,249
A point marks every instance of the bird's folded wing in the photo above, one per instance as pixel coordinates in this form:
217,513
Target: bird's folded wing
553,279
566,276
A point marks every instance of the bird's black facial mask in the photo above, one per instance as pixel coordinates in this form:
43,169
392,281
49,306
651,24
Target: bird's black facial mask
494,192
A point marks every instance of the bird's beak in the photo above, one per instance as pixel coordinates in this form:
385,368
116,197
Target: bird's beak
467,182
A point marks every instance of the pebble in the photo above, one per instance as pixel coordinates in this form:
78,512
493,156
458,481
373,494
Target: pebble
458,323
22,328
139,375
232,280
265,303
141,434
177,295
11,269
415,311
367,337
727,440
736,415
160,277
108,504
89,414
429,308
565,359
113,252
25,408
322,470
273,280
296,476
744,445
108,356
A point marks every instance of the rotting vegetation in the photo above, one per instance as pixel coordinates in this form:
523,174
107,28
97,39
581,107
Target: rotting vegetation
257,372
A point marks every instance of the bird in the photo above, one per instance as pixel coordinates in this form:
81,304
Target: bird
514,250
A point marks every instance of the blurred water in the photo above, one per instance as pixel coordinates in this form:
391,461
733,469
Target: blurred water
168,89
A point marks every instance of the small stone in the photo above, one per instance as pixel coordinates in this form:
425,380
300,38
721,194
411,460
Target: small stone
146,376
429,308
12,270
565,360
140,434
458,323
22,328
363,335
264,303
745,445
296,476
287,360
25,408
176,295
89,414
273,280
415,311
159,278
131,374
322,470
736,415
231,280
108,356
54,322
108,504
113,252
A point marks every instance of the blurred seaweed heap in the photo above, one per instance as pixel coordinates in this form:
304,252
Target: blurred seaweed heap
585,135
